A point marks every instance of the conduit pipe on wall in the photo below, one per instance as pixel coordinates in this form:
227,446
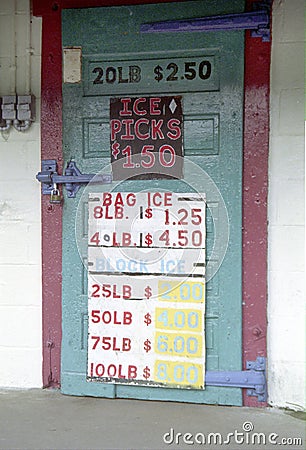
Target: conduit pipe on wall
21,125
7,125
22,115
13,62
28,51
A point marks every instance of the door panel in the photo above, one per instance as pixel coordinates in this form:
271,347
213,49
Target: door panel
212,114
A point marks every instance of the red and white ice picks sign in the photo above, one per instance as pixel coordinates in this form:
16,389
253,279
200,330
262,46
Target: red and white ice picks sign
146,137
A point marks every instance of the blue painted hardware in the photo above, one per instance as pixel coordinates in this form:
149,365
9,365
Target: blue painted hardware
254,379
257,21
73,178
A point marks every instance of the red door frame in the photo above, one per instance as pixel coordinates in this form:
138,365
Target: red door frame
255,186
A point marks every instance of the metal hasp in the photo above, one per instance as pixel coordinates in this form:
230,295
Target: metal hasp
258,21
254,379
73,178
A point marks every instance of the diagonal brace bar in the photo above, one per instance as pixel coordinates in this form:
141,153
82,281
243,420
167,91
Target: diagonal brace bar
257,21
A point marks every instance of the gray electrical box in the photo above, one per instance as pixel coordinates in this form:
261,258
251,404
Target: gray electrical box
8,107
26,107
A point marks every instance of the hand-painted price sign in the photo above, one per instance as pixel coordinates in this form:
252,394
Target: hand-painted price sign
146,306
146,137
121,220
193,73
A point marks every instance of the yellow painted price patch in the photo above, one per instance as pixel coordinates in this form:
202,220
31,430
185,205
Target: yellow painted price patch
188,291
179,373
179,319
190,345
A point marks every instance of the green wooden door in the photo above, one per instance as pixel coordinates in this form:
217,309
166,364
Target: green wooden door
112,49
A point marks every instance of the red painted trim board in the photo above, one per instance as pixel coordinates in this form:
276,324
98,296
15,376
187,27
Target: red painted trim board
255,191
255,175
51,148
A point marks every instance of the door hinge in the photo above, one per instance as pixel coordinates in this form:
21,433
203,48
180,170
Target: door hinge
72,178
253,379
258,21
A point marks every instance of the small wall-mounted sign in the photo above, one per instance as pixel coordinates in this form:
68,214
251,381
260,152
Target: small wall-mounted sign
146,137
72,66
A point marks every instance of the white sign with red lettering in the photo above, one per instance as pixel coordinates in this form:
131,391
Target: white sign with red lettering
146,137
146,289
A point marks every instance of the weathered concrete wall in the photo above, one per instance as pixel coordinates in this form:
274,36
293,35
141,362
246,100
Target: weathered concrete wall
286,310
20,236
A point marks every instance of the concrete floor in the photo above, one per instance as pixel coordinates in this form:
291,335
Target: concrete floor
46,419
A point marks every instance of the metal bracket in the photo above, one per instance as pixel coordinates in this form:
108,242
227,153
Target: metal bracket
258,21
73,178
253,379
